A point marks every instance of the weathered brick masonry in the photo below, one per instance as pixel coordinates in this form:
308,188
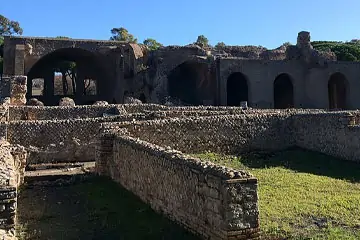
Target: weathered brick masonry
12,167
225,134
208,199
336,134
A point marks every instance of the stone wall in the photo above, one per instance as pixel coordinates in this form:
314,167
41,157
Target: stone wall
59,140
82,111
18,88
336,134
212,201
230,133
12,167
62,112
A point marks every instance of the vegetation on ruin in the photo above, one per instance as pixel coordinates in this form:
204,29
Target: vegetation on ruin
152,44
97,208
122,34
344,51
302,194
220,45
202,41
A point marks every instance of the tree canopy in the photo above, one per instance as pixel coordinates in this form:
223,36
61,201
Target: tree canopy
344,51
122,34
220,45
9,27
152,44
202,41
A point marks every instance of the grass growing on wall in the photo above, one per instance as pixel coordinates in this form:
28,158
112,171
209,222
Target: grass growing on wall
302,194
95,209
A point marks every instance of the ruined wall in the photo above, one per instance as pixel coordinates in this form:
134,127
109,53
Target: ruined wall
59,140
82,111
18,90
210,200
310,84
334,134
33,48
12,167
230,134
62,112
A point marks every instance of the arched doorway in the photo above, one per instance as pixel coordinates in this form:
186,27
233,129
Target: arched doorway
283,92
237,89
191,82
142,98
70,72
337,91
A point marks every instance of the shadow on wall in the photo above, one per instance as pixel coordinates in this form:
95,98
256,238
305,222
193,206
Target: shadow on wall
191,82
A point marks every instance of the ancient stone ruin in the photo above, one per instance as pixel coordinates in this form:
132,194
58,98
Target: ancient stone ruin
144,122
295,76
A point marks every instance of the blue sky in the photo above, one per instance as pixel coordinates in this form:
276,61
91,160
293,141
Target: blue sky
235,22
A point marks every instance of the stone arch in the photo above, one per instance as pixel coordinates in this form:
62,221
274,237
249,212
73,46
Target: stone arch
142,98
283,92
191,82
338,91
90,65
237,88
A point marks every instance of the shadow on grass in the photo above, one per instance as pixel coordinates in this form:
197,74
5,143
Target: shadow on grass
95,209
305,161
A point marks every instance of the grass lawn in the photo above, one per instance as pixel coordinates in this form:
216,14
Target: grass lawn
302,194
94,209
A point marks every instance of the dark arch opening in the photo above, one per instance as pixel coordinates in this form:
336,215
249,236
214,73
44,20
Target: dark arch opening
337,91
90,74
190,82
237,89
283,92
142,98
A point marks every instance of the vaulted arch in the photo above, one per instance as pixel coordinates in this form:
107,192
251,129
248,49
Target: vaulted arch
90,70
191,82
337,91
237,89
283,92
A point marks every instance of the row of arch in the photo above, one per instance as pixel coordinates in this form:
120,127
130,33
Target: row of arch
283,91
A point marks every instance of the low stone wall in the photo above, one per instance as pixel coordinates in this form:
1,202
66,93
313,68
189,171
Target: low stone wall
93,111
81,111
62,112
225,134
59,140
210,200
336,134
12,167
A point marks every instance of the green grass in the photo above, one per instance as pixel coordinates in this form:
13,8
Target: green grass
95,209
302,194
